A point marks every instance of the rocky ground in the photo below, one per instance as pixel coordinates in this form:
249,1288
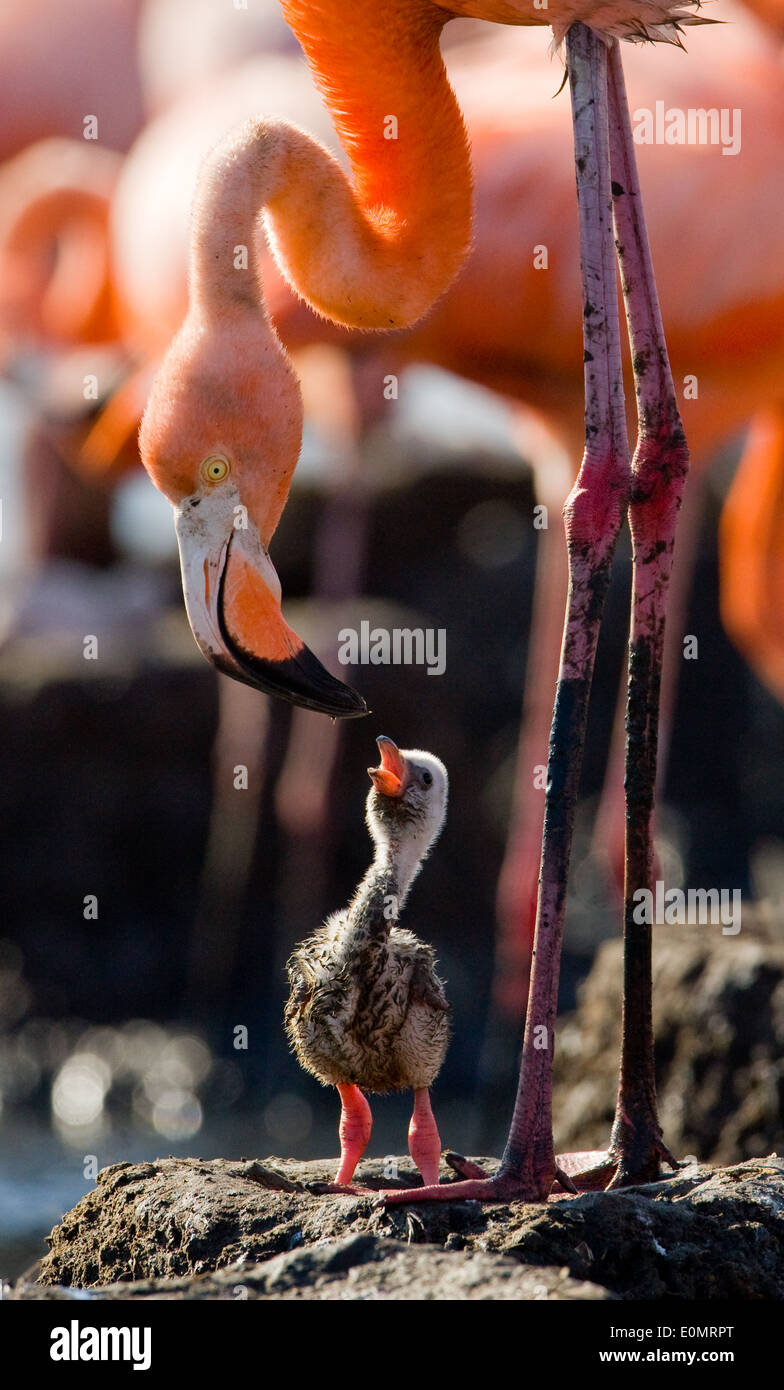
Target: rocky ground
192,1229
719,1025
186,1228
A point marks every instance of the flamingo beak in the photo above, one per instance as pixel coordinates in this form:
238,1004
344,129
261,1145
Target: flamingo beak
232,597
391,778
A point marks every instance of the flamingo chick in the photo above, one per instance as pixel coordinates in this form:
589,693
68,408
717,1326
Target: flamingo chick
367,1011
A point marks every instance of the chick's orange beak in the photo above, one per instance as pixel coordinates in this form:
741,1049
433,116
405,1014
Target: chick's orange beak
391,778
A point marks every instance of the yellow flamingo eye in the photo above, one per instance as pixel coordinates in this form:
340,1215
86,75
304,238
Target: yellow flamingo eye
215,468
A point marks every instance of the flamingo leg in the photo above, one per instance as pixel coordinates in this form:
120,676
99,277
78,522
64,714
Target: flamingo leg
659,470
356,1123
659,467
424,1141
593,515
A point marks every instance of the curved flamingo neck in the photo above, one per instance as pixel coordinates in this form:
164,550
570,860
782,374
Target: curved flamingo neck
379,899
374,252
400,858
373,910
236,182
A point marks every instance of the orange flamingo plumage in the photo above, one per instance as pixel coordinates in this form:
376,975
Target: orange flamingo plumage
347,250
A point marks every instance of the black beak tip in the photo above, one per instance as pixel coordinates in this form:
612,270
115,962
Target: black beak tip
300,680
355,706
309,684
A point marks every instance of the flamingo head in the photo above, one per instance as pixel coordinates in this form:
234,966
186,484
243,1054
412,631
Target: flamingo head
220,438
407,803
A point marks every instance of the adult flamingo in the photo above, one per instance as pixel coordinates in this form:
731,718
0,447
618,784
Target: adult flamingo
55,277
353,261
725,330
62,60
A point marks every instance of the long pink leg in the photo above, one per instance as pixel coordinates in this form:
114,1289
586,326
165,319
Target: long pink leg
356,1123
424,1141
659,469
593,515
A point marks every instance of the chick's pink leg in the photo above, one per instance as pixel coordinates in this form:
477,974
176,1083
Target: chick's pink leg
356,1123
424,1142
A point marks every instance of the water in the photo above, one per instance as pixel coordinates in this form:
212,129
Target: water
42,1176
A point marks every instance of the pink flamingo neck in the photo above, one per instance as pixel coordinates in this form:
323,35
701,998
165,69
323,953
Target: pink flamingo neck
347,246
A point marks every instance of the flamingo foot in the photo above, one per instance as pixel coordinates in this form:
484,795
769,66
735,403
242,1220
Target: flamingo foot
465,1167
609,1170
478,1186
341,1189
630,1170
500,1188
589,1171
468,1169
596,1170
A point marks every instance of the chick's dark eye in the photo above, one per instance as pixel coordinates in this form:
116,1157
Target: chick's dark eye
427,778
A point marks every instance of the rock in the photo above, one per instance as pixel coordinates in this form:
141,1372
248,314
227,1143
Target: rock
360,1266
719,1026
188,1228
